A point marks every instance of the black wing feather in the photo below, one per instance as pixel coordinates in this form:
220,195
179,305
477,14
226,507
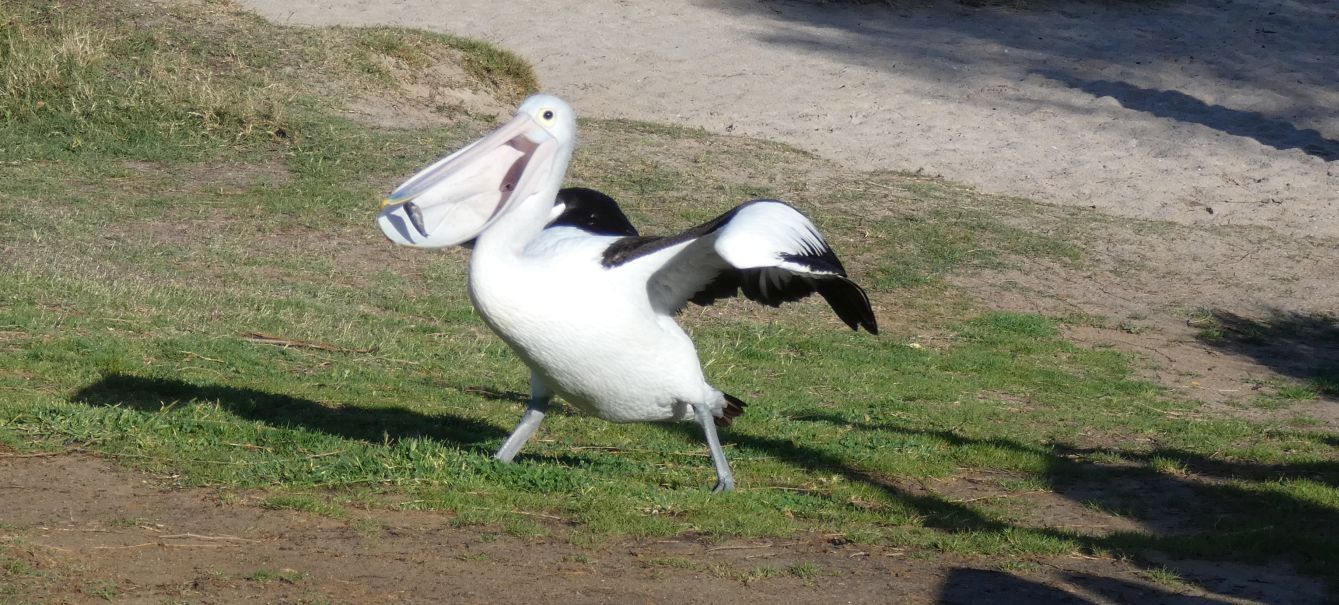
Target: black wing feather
632,248
770,286
850,302
845,297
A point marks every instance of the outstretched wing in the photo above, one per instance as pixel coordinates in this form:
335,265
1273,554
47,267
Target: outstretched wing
765,249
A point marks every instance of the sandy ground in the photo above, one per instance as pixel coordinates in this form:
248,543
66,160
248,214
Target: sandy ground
1202,112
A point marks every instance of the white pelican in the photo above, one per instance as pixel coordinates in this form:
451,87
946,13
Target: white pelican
586,302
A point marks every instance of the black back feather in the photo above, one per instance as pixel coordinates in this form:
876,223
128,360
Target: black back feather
592,212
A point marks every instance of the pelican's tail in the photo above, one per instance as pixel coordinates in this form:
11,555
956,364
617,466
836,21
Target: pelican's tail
734,407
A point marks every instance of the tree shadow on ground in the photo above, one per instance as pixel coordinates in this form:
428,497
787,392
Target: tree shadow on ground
1281,52
967,586
1182,107
1210,518
371,425
1302,345
1216,510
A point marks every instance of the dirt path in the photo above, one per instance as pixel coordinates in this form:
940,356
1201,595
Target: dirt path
1198,111
75,529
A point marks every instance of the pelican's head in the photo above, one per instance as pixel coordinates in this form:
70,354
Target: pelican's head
452,201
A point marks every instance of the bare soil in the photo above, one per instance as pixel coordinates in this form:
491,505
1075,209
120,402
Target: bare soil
78,529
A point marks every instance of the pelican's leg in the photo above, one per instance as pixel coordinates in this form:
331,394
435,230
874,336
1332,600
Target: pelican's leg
725,480
540,396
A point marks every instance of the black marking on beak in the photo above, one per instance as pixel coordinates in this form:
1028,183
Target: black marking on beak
416,217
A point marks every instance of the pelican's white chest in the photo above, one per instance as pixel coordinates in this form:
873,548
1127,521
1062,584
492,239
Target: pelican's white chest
590,332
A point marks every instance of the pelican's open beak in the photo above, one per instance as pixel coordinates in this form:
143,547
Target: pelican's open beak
452,201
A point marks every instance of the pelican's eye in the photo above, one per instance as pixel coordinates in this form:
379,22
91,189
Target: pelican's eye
547,117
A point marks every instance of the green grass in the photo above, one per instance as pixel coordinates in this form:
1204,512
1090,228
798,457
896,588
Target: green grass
305,503
504,73
65,88
1167,577
134,265
123,522
105,590
16,567
805,570
196,79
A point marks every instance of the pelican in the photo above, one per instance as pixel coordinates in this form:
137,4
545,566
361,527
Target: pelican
586,302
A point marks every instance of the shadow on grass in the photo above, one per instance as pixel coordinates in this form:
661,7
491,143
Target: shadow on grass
492,394
372,425
1304,346
1214,510
1229,510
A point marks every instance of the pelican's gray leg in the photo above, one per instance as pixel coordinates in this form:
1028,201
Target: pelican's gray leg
540,396
725,480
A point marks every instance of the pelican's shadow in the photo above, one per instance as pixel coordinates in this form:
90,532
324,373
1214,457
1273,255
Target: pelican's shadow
371,425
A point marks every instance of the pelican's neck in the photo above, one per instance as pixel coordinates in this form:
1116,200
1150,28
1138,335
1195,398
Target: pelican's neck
518,226
496,264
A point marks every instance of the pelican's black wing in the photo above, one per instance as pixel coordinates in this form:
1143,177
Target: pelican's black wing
765,248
